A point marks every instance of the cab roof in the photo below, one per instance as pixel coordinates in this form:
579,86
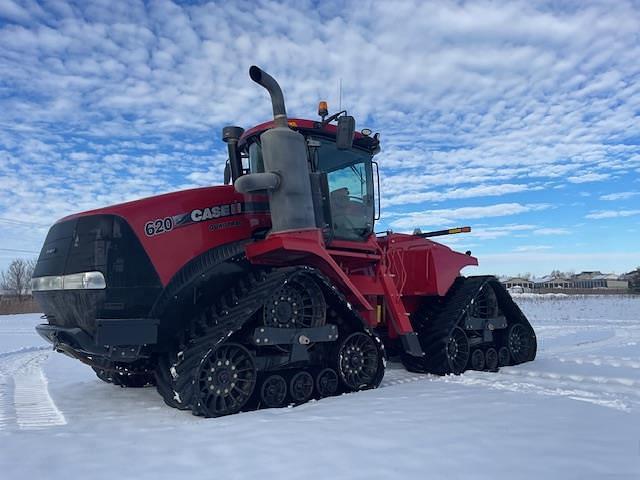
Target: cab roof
328,131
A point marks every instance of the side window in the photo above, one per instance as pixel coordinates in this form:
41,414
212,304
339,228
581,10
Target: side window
351,206
256,164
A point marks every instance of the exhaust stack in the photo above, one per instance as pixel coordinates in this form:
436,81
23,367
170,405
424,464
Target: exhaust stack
277,98
286,176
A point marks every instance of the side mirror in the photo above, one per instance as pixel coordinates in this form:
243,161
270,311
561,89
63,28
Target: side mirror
346,129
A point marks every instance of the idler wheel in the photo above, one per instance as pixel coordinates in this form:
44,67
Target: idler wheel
298,303
457,350
485,304
359,361
519,342
225,379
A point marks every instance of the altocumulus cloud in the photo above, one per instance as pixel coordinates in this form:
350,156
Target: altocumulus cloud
519,102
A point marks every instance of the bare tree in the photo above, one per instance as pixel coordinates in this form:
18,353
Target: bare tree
16,279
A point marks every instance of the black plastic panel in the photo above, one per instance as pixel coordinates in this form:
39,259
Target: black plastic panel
53,255
103,243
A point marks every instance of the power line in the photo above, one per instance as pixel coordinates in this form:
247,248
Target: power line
21,222
17,250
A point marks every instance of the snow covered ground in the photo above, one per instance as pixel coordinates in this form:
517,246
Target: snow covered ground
574,413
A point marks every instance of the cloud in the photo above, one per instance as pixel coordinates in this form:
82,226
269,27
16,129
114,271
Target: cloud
490,233
445,217
12,11
543,262
414,195
102,102
532,248
619,196
612,214
589,177
551,231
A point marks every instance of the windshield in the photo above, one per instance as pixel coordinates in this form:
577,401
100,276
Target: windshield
350,179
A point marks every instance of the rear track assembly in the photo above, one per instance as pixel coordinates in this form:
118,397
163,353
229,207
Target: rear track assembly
476,325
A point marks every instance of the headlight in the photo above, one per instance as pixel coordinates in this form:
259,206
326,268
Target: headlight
46,283
73,281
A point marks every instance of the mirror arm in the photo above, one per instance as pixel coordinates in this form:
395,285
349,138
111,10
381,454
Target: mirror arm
332,117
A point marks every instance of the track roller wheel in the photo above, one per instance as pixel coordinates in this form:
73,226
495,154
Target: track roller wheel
457,349
491,359
273,393
477,359
504,357
225,380
301,387
360,362
327,382
520,342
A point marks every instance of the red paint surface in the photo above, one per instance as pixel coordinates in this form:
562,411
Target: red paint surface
296,124
170,251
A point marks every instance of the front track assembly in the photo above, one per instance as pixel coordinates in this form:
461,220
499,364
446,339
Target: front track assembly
277,337
477,326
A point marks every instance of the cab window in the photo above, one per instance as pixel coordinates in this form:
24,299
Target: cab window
350,179
256,163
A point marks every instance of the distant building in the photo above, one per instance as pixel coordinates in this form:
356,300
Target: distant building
600,280
582,282
550,282
518,283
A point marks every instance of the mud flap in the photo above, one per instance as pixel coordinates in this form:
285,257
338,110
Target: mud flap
411,344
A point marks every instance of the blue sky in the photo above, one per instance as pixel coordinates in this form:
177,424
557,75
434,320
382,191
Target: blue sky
521,119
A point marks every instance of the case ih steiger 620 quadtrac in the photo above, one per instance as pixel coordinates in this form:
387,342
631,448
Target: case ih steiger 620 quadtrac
274,289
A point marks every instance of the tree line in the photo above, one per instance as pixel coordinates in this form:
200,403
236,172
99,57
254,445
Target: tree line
15,281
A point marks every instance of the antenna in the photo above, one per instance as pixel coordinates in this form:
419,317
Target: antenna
340,95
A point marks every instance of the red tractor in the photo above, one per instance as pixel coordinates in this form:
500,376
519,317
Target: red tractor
274,289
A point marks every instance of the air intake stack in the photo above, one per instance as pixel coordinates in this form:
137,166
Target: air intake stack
286,175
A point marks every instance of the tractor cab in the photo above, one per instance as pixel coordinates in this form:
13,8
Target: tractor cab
343,173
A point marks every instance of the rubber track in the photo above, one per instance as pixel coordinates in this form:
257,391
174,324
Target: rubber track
229,314
435,322
214,325
194,271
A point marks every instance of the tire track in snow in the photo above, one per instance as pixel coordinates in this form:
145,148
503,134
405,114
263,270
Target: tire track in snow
598,361
396,374
5,402
609,338
9,362
617,393
24,394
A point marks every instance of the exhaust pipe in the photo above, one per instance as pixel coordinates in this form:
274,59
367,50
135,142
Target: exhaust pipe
286,175
277,99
